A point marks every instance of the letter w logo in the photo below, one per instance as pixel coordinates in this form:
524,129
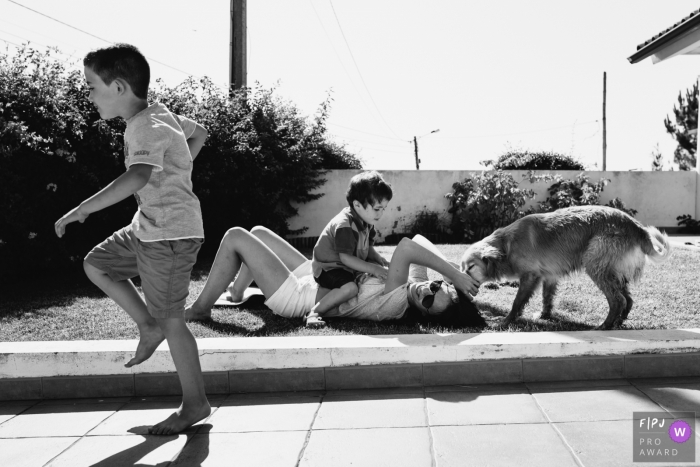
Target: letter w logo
679,431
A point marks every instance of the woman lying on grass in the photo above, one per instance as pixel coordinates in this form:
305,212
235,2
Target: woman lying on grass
285,278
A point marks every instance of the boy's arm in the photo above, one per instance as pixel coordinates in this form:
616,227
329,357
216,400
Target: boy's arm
375,257
196,141
356,264
125,185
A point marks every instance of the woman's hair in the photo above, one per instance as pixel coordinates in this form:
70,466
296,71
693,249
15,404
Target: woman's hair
461,313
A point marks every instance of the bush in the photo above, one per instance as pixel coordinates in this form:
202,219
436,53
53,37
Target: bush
526,160
688,224
577,192
55,152
484,203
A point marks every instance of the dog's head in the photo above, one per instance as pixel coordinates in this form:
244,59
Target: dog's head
480,260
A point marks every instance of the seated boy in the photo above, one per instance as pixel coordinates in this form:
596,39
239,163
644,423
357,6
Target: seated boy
164,237
345,247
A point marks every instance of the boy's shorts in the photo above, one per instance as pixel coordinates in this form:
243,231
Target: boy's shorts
164,267
335,278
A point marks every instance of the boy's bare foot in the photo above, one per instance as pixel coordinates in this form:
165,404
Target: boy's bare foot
179,421
196,315
149,340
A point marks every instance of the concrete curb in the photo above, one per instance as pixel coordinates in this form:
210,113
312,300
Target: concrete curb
60,369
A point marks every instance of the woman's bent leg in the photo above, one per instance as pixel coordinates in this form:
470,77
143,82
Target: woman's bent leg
239,247
289,255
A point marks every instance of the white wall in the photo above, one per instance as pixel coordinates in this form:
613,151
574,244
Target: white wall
659,197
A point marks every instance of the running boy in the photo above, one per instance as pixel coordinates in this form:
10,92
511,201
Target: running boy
345,247
165,235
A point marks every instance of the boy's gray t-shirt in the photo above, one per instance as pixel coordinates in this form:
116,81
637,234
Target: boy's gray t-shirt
168,209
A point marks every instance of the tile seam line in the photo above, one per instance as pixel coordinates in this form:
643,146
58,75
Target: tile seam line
309,431
557,431
649,397
431,440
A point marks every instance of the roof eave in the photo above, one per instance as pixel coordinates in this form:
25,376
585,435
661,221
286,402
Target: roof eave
669,37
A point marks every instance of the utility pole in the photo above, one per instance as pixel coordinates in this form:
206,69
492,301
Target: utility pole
415,147
237,64
605,136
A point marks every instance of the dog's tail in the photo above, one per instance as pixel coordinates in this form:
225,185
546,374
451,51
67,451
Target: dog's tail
659,248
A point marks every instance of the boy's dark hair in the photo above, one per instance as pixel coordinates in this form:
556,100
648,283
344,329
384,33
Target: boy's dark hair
368,188
121,61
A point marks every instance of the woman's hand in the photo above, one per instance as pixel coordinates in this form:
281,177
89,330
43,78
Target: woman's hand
466,284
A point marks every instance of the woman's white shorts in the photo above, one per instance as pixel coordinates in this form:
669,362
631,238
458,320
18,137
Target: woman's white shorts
297,295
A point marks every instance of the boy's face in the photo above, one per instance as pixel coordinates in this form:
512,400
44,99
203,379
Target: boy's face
372,212
104,97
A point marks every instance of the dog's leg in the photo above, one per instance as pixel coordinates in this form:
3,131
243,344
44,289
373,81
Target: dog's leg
630,302
610,285
549,290
528,284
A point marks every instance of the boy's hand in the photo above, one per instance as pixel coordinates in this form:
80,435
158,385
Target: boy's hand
382,261
380,271
76,214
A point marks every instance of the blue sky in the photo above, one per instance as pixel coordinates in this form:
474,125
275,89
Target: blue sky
491,76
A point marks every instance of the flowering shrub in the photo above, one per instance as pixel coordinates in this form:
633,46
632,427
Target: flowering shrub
526,160
260,156
486,202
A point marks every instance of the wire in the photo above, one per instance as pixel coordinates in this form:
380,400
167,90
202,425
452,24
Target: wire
10,42
358,71
40,34
366,132
97,37
335,51
368,141
516,133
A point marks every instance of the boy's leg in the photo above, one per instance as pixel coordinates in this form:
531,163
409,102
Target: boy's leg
126,296
195,406
334,298
109,266
237,247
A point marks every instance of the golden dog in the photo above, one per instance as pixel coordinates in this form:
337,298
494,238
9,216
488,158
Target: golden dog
609,245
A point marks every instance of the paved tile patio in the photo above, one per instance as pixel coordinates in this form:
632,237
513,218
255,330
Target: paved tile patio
572,423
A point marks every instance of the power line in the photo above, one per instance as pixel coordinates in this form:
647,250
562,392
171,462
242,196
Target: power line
516,133
10,42
97,37
358,70
366,132
340,60
367,141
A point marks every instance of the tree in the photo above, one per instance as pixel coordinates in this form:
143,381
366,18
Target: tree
526,160
686,115
657,159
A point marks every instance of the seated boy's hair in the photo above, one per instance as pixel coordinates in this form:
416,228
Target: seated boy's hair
368,188
121,61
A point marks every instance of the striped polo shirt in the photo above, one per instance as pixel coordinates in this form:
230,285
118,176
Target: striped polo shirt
345,233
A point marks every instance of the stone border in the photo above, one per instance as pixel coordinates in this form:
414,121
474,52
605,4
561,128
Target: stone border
60,369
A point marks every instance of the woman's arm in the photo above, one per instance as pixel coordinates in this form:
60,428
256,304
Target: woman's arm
411,252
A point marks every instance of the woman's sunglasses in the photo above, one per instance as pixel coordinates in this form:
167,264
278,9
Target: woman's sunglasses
429,299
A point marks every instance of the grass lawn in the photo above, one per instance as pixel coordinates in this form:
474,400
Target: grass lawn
667,297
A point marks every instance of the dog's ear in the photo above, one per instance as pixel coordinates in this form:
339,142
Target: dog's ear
491,256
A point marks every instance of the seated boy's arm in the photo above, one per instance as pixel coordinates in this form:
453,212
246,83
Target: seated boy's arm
356,264
196,141
375,257
125,185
